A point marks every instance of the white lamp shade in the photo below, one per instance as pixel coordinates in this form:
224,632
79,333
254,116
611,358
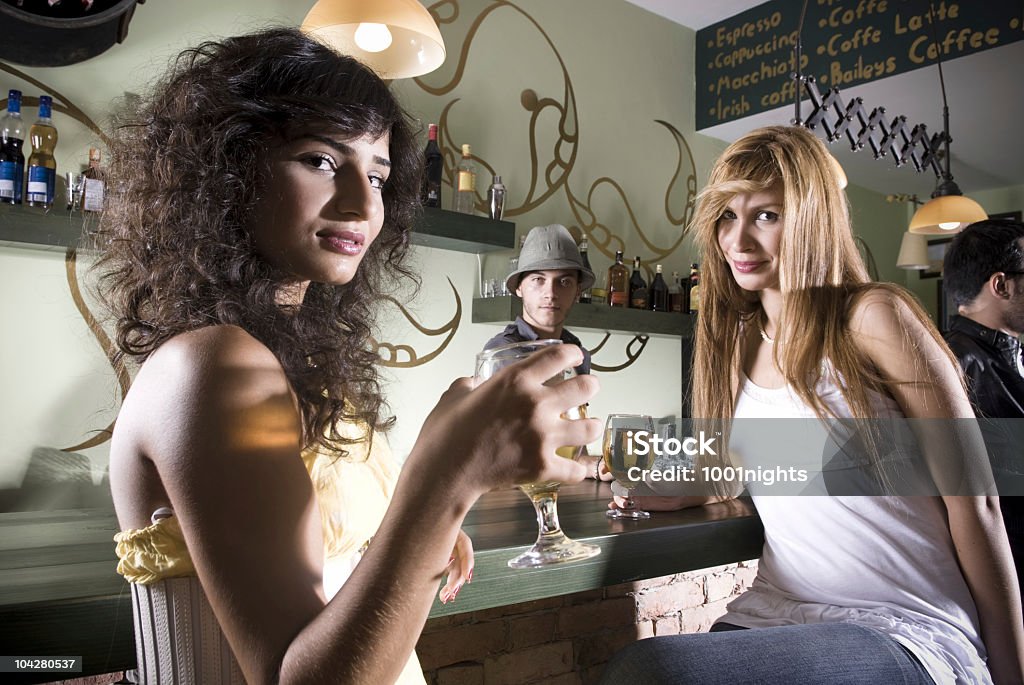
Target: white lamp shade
946,214
416,46
913,252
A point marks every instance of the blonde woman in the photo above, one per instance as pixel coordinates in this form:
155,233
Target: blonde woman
849,589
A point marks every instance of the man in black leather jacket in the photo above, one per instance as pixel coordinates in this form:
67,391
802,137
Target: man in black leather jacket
984,274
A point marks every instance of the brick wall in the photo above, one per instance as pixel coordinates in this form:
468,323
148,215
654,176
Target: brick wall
568,640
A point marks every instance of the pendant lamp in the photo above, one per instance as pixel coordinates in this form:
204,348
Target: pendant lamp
949,211
913,252
395,38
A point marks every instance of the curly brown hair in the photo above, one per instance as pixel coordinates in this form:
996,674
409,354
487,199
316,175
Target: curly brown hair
185,173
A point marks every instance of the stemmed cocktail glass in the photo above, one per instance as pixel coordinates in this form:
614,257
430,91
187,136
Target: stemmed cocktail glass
552,545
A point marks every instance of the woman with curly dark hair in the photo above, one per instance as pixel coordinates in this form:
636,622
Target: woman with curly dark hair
262,202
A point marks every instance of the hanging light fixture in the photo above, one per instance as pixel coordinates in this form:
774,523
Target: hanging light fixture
913,252
949,210
395,38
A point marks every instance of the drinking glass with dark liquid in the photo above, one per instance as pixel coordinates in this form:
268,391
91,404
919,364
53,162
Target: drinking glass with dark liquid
552,545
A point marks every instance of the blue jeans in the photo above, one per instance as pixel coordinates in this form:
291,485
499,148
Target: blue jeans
825,653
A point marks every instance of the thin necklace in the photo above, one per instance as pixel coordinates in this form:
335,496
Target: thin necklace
764,336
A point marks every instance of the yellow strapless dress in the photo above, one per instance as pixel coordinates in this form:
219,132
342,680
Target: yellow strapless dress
177,638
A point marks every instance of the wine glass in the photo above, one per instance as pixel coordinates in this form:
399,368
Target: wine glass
552,545
622,452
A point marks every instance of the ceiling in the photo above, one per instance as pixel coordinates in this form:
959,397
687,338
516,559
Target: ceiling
985,106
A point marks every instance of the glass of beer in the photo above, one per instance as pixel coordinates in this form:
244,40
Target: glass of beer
627,454
552,545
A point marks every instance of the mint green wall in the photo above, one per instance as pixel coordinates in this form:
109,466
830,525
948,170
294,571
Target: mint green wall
881,224
1000,200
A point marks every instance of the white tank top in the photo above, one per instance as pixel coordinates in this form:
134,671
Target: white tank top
884,562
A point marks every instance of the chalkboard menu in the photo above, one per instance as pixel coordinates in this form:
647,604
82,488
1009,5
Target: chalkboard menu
744,62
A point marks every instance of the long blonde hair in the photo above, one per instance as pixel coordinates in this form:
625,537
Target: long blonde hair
821,275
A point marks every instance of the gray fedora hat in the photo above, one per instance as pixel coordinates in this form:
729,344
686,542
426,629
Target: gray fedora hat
549,248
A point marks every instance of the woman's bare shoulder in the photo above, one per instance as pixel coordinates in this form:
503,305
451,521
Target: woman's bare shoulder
215,382
883,315
212,348
208,358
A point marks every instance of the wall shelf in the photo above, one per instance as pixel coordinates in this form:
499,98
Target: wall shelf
57,229
22,226
447,230
599,317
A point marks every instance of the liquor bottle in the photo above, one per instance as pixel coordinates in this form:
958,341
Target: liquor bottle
496,199
637,287
465,183
42,168
92,183
618,283
675,294
585,295
657,295
693,289
12,159
434,168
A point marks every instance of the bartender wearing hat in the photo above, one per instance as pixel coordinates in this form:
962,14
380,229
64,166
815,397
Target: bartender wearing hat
549,280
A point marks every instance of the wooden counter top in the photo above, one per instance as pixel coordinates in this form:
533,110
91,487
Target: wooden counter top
60,594
502,524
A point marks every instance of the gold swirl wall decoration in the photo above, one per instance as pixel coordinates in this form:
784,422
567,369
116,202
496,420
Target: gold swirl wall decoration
556,172
445,12
634,348
390,353
608,241
548,177
106,344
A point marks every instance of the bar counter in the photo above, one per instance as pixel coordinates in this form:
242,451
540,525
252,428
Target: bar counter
60,595
503,524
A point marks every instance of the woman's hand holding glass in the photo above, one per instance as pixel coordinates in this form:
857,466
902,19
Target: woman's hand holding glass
506,431
493,368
